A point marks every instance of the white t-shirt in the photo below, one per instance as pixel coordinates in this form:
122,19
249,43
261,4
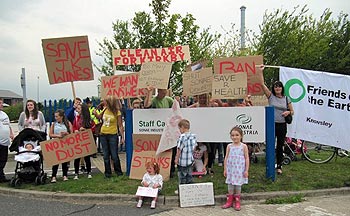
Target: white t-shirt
4,129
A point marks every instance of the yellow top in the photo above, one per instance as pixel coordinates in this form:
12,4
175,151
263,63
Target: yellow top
110,122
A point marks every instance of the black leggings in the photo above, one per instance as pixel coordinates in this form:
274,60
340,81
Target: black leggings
280,133
87,163
64,169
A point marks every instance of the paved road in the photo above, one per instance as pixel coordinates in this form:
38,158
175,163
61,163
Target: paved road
315,206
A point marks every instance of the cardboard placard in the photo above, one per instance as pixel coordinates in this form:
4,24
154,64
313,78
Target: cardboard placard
200,194
147,191
141,56
70,147
67,59
229,86
197,82
121,86
154,74
246,64
259,100
144,150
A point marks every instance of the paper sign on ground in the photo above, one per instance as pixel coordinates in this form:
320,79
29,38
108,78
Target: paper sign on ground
147,191
197,82
68,148
140,56
200,194
67,59
121,86
154,74
229,86
247,64
144,150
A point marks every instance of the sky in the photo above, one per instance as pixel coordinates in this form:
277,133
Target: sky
23,24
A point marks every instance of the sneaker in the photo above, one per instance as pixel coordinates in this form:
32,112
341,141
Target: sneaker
176,192
76,177
65,178
139,204
53,180
220,164
153,204
89,176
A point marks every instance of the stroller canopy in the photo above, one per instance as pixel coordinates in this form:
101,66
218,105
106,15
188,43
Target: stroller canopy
26,135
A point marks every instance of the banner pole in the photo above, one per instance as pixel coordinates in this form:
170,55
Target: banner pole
73,90
267,66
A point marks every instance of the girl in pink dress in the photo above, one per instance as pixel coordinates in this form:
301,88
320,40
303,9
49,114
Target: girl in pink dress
236,166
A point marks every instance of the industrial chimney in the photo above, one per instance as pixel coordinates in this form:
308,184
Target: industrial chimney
243,27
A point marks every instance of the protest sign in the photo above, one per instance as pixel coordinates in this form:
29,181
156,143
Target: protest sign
197,82
70,147
67,59
229,86
140,56
246,64
259,100
121,86
321,106
146,191
199,194
144,150
171,131
154,74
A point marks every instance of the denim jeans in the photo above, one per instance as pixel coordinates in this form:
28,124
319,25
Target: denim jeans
185,174
109,144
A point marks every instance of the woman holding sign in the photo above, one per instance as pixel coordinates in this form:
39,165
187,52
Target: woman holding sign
82,121
112,120
283,107
60,128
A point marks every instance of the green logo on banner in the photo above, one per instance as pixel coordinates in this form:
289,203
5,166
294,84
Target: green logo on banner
289,84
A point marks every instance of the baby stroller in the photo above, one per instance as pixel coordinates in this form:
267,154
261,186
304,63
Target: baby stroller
32,168
292,148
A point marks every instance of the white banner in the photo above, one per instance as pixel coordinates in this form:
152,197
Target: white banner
321,104
209,124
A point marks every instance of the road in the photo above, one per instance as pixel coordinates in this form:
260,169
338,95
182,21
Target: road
315,206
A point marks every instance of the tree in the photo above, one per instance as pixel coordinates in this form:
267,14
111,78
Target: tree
295,39
158,29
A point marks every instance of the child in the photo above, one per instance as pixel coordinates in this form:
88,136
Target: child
236,166
199,152
152,179
184,155
26,155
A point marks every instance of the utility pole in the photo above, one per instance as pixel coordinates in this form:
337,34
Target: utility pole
24,87
38,90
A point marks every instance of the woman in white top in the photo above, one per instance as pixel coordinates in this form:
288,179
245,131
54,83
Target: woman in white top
32,118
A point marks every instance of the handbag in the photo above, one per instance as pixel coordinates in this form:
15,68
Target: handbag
288,118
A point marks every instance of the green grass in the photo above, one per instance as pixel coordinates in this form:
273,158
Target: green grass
286,200
299,175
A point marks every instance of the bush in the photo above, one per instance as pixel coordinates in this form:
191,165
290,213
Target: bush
14,111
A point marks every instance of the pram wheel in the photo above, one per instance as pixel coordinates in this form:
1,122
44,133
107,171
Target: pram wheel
43,179
18,182
37,180
12,182
286,160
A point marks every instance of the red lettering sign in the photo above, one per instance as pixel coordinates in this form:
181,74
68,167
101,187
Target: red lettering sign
121,86
67,59
76,145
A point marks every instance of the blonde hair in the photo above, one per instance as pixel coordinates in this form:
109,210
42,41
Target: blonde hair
155,166
112,104
184,123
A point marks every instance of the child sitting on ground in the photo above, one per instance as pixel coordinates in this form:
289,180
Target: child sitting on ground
199,166
152,179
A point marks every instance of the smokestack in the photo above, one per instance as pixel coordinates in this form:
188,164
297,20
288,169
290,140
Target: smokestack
243,27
